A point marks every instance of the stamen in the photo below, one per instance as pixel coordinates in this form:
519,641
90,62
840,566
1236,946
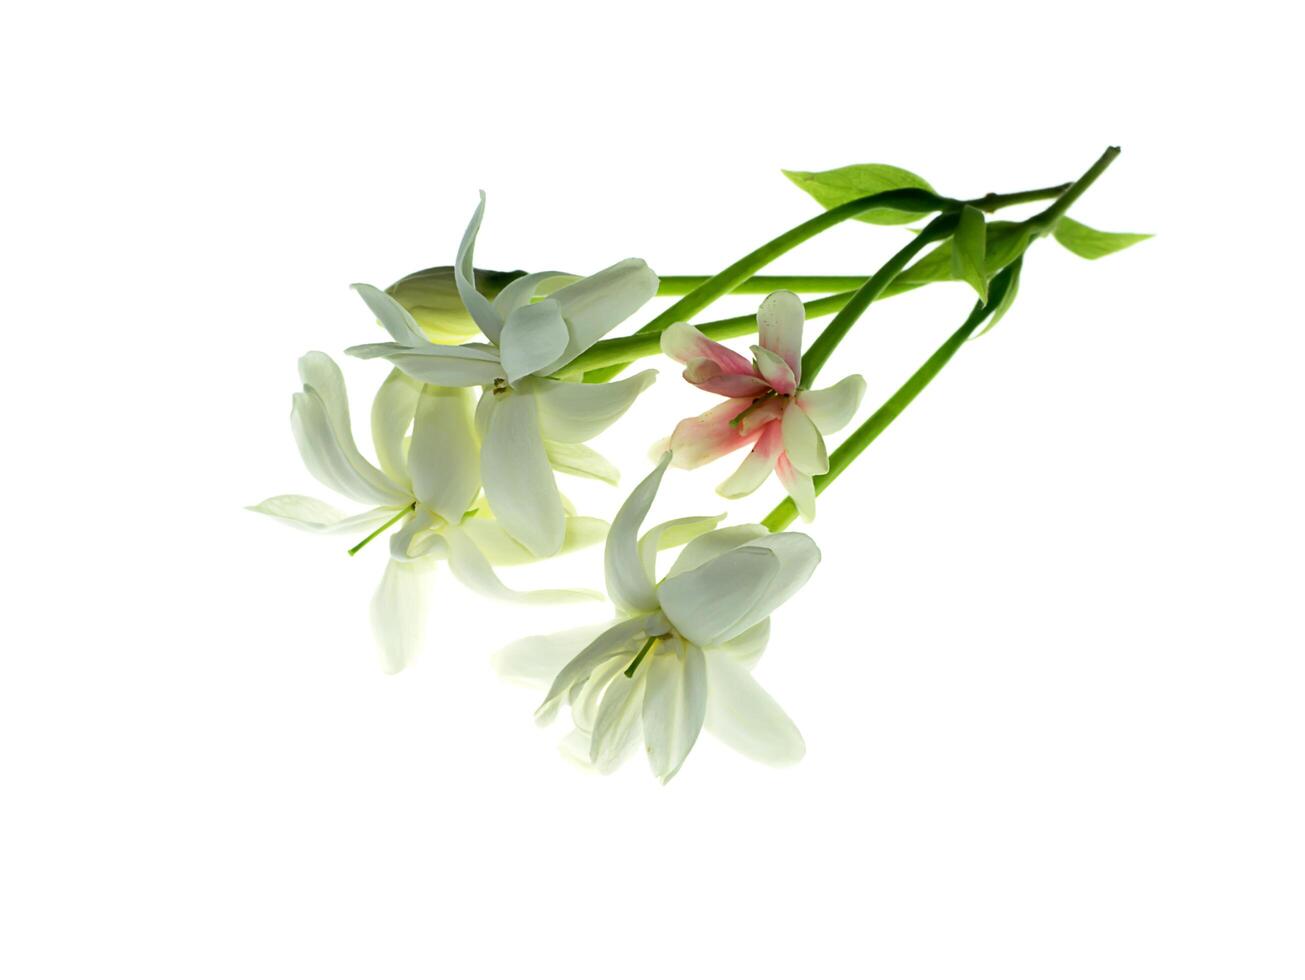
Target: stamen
634,664
738,419
388,524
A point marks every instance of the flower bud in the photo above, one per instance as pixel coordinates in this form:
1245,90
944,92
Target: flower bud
431,296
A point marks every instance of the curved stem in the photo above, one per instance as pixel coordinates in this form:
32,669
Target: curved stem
855,444
760,285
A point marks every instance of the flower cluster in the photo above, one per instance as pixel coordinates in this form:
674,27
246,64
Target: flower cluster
499,381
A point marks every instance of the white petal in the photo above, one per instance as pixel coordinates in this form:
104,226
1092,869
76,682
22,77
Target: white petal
500,548
619,640
521,291
674,706
393,410
473,571
747,647
799,486
444,458
832,408
464,274
397,321
617,719
533,337
672,534
580,460
311,514
417,537
575,412
628,582
337,465
457,367
803,443
746,718
586,697
756,466
797,557
708,604
536,660
518,479
775,370
399,612
779,327
594,305
713,543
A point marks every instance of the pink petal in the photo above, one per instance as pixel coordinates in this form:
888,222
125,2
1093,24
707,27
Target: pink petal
799,486
710,436
707,375
779,327
775,370
758,465
685,343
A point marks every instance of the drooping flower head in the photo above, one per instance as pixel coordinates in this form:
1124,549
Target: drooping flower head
427,488
766,406
679,656
530,421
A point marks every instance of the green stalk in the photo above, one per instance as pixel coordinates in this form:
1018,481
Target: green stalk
388,524
855,444
762,285
623,350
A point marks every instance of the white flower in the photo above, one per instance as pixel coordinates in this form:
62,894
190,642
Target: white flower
680,655
427,487
530,422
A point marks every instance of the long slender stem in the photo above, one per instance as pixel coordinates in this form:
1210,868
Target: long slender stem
855,444
814,359
623,350
760,285
388,524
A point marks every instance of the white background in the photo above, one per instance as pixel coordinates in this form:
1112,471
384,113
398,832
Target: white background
1049,672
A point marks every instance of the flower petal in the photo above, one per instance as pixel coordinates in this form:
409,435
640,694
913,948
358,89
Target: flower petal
393,410
576,412
707,605
579,460
779,327
775,370
747,719
617,719
500,548
397,321
444,458
707,375
535,660
464,274
711,435
628,582
475,572
756,466
798,485
674,707
595,304
832,408
521,291
518,480
685,343
622,639
310,514
334,463
322,376
457,367
797,557
703,549
399,611
533,337
672,534
746,648
803,444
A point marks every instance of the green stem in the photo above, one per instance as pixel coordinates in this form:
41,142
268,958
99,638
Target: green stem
623,350
814,359
388,524
855,444
1043,222
761,285
634,664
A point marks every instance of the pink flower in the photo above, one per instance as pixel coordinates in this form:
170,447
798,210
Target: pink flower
765,408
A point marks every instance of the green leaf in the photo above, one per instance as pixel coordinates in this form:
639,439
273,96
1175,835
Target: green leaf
834,187
1004,242
1007,298
969,245
1088,243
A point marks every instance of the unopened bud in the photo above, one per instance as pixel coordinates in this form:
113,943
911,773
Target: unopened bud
431,296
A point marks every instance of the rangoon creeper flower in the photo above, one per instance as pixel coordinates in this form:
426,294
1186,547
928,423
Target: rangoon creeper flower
530,423
680,655
424,436
766,407
431,296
